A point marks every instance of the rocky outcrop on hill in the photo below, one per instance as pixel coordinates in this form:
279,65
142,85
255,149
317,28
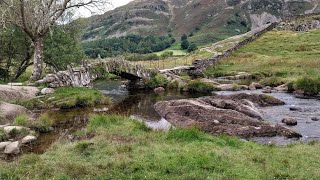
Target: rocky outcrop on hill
235,115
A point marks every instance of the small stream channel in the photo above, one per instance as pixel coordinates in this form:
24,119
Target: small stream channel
140,106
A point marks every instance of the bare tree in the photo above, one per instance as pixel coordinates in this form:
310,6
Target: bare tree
36,17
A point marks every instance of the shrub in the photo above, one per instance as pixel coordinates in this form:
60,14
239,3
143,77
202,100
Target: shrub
157,80
192,47
173,85
43,123
198,86
272,81
3,135
21,120
166,54
310,85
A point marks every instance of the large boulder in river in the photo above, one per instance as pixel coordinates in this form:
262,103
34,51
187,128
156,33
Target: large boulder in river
235,115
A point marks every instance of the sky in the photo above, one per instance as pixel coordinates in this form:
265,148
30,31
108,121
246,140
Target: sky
115,3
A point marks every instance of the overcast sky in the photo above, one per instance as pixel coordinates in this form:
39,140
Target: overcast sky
115,3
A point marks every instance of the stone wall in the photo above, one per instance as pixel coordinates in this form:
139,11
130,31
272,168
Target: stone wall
202,64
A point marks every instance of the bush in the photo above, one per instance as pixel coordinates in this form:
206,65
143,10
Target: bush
157,80
173,85
21,120
3,135
310,85
43,123
192,47
198,86
272,81
166,54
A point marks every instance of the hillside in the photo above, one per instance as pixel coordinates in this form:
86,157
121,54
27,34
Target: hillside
283,54
206,20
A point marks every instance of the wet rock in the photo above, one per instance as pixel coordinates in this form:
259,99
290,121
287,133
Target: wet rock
28,139
46,91
252,87
294,108
315,119
100,110
159,90
12,148
267,90
282,88
232,115
289,121
15,84
4,144
209,81
8,129
256,85
232,87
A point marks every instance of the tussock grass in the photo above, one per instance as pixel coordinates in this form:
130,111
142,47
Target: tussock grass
197,86
122,150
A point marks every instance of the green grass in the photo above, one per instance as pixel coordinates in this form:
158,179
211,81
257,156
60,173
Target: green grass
175,52
68,97
157,80
310,85
197,86
21,120
283,54
123,150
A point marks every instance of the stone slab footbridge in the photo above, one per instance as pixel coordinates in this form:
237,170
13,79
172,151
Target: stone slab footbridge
84,76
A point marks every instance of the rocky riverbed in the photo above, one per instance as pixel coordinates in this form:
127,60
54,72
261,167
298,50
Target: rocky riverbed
235,115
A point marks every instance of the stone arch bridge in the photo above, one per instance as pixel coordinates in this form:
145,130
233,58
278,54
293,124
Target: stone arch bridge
84,76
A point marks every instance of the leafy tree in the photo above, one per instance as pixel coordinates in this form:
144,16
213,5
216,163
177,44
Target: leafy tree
192,47
184,37
184,42
36,18
62,48
127,44
15,53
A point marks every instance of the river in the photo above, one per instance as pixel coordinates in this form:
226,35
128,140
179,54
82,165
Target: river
140,106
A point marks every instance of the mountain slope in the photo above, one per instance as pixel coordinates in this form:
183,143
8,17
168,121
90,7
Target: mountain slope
207,20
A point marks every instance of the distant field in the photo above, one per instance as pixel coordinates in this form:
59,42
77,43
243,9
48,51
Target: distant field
175,52
284,54
175,61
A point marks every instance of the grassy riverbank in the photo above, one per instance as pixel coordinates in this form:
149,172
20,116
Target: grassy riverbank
284,55
67,97
125,149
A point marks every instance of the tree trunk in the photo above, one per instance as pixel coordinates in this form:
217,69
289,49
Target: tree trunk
37,59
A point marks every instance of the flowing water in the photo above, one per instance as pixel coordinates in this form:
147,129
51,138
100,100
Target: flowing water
140,106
